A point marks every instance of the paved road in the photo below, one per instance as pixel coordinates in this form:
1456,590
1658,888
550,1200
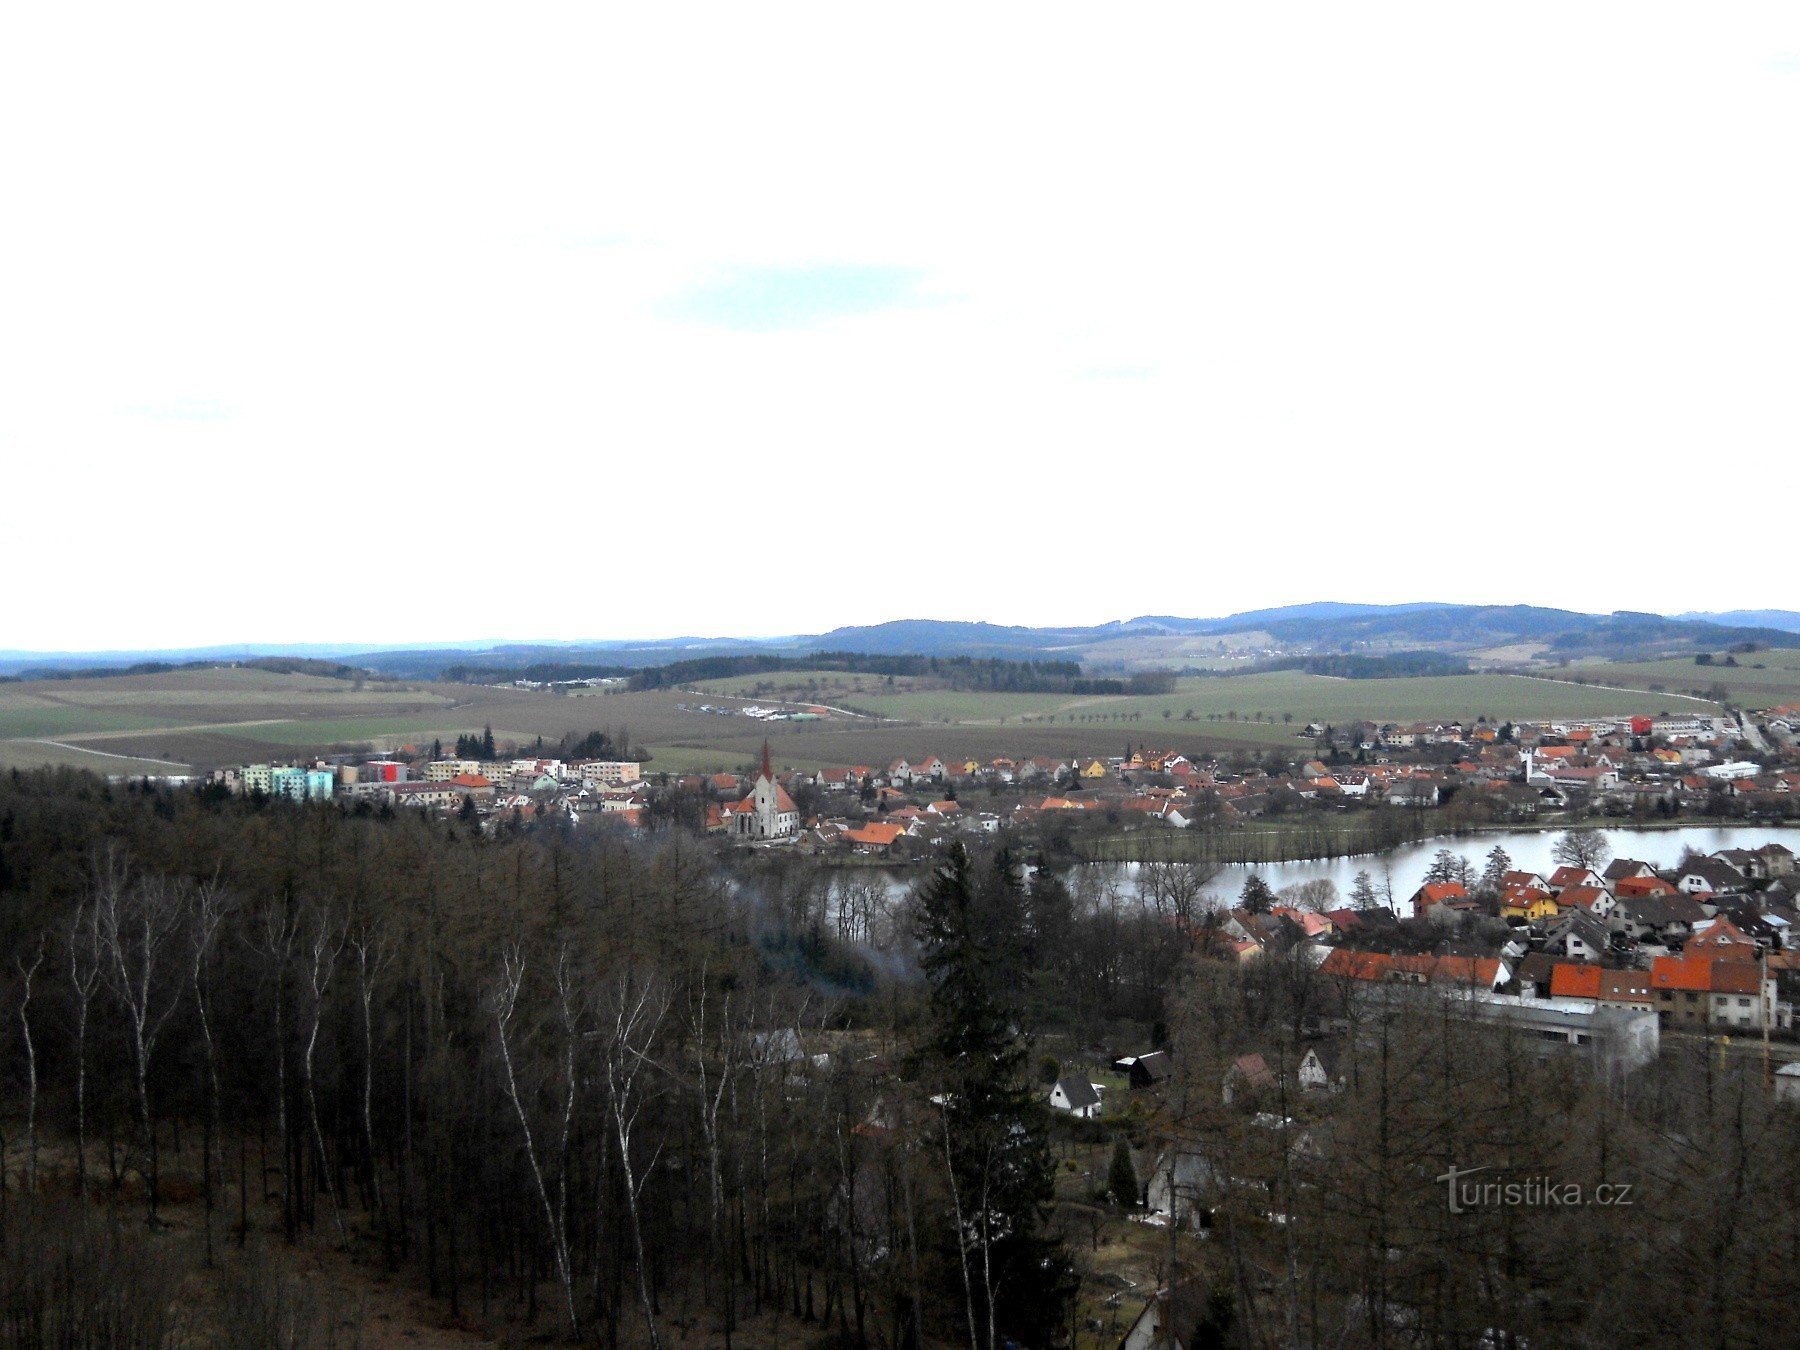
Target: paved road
1753,734
107,754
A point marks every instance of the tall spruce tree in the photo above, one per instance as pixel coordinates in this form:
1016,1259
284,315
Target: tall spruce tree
1493,876
1017,1280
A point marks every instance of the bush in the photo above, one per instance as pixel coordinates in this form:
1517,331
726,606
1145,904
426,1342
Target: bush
62,1284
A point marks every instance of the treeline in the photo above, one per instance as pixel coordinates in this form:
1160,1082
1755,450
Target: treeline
601,743
280,665
1348,666
975,673
555,1078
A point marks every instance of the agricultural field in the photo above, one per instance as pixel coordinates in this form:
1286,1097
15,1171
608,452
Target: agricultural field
200,719
1763,679
1280,696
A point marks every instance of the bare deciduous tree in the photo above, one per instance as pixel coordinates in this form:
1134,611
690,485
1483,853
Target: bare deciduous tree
635,1008
27,973
505,1002
327,945
210,903
138,925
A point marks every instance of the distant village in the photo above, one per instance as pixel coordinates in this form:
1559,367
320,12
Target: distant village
1631,768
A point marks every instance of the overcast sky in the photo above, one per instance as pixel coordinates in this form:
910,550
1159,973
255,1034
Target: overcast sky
382,323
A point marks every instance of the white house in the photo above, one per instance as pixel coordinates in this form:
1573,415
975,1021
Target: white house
1076,1096
1319,1070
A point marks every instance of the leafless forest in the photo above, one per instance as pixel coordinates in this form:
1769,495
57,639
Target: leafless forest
573,1088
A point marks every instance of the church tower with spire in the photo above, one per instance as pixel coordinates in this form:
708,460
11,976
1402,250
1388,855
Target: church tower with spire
772,813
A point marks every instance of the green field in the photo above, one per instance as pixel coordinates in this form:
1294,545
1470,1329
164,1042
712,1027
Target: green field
24,718
1760,679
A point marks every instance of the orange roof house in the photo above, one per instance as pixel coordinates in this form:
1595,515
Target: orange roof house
1529,903
1723,939
1474,972
875,836
1585,897
1704,974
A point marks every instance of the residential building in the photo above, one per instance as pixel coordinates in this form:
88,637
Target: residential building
1075,1096
1703,992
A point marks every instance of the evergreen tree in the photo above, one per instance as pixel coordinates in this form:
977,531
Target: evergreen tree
1362,891
1214,1331
1493,876
1448,866
970,931
1121,1176
1256,895
487,743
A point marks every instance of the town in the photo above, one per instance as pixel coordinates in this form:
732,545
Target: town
939,696
1638,768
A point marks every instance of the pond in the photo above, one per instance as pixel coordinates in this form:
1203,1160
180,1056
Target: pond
1402,870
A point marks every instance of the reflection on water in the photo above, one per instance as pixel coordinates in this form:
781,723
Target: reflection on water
1402,870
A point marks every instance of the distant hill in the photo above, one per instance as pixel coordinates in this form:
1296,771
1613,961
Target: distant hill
1787,620
1320,627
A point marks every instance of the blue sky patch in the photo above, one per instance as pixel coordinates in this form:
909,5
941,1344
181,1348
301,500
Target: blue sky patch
779,299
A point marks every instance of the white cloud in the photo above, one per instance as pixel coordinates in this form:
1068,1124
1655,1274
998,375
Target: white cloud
1203,310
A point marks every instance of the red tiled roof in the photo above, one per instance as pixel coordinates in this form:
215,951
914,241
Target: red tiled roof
1583,897
1704,974
880,836
1437,892
1571,979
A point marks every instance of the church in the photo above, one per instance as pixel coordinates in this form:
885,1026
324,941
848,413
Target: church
768,812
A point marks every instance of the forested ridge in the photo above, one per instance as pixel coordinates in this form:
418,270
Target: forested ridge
559,1080
569,1086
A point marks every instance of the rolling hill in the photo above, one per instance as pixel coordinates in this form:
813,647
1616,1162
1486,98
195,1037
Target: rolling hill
1497,635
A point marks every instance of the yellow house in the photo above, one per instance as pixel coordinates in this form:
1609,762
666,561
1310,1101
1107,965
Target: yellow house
1094,770
1527,903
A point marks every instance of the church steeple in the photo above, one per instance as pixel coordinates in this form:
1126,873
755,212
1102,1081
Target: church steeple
767,772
